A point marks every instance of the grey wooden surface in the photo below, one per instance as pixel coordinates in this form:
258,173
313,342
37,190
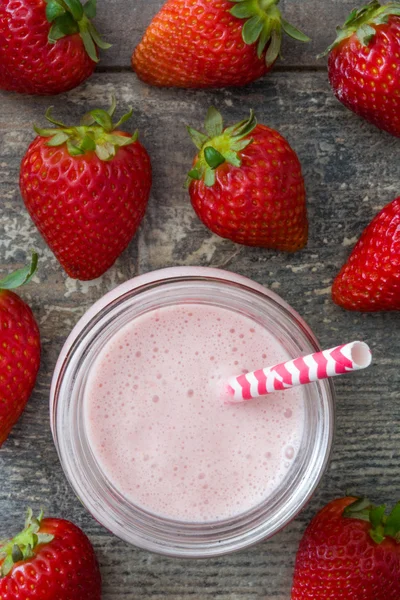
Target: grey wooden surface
351,171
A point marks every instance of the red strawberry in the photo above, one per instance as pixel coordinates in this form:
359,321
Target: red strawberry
370,280
246,185
47,46
203,43
19,350
86,188
364,64
51,559
349,551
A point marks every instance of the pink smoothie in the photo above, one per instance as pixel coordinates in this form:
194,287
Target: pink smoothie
160,430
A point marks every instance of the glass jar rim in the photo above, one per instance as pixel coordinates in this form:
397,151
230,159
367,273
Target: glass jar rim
148,531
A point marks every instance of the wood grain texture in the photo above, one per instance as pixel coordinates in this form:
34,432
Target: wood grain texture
123,22
350,170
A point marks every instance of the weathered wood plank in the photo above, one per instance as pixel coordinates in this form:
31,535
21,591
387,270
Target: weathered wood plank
351,171
123,23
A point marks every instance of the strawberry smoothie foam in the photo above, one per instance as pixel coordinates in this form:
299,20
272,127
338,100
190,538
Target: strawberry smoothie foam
159,428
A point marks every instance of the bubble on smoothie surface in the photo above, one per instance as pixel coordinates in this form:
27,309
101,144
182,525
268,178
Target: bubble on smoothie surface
289,452
168,443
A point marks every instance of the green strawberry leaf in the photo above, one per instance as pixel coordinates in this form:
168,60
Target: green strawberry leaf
294,33
214,124
49,117
241,144
264,25
365,34
16,554
262,42
377,534
213,158
90,9
244,128
194,174
69,17
105,151
198,138
58,139
7,565
73,149
124,118
274,47
376,515
113,107
232,157
53,10
88,144
242,10
29,516
382,526
75,8
102,118
392,525
21,276
97,39
359,509
62,26
360,22
219,146
209,177
89,44
21,547
252,29
96,130
351,17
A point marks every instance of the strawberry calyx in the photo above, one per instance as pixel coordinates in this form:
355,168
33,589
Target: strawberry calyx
361,21
219,145
21,276
22,546
96,133
68,17
382,525
265,26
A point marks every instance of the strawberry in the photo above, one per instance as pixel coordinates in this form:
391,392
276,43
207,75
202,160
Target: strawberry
246,185
370,280
210,43
50,559
47,46
364,64
86,188
19,349
349,551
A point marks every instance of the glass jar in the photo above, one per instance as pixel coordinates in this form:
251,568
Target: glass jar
131,523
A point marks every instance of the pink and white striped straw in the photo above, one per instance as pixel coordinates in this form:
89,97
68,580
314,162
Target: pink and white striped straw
305,369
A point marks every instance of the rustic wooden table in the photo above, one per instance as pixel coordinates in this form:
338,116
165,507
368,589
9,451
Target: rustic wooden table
351,171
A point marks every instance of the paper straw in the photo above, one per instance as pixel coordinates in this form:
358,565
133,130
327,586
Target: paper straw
305,369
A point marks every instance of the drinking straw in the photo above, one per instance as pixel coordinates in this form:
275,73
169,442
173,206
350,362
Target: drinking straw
305,369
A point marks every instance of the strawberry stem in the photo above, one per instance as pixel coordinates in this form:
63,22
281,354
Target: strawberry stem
361,21
68,17
264,25
21,547
218,145
21,276
382,525
96,133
